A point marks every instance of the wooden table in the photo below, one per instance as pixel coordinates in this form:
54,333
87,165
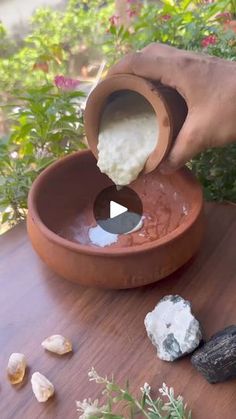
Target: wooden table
107,329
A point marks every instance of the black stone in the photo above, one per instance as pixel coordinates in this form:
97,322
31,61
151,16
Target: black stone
216,359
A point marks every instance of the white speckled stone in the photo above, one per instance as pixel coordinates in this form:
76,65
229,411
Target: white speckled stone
172,328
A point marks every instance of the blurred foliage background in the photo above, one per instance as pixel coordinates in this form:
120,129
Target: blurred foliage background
42,101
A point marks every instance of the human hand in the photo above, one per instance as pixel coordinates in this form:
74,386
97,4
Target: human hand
208,85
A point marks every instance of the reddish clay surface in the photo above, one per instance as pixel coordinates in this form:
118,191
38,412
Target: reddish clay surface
61,201
163,211
169,106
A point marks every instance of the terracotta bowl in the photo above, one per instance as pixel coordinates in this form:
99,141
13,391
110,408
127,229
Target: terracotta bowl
170,108
61,213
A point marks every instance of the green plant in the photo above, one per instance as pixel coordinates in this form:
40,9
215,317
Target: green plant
232,7
166,407
183,24
56,37
46,123
216,170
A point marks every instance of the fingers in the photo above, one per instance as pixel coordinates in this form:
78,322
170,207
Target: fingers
155,62
190,141
179,70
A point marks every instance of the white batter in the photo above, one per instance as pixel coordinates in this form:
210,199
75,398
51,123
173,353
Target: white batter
100,237
128,134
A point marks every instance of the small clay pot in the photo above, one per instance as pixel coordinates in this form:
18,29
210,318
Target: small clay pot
61,201
169,106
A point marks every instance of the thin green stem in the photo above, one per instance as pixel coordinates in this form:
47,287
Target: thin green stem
138,405
153,405
174,405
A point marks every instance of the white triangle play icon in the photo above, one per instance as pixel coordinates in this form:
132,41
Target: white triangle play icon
116,209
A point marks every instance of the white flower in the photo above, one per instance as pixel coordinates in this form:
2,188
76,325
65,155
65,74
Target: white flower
164,389
89,409
146,388
93,376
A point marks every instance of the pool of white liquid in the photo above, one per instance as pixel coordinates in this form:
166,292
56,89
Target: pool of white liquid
100,237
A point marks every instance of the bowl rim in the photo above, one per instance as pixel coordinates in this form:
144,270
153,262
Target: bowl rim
110,251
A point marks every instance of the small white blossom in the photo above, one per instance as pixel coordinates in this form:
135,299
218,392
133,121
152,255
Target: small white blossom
89,409
146,388
164,389
93,376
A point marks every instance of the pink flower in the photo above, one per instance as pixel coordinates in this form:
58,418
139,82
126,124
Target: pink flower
131,13
166,17
114,20
65,83
208,40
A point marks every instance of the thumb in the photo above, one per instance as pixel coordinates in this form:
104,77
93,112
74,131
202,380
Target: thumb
190,141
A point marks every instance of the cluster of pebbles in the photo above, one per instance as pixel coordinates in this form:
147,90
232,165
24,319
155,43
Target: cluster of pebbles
175,332
42,388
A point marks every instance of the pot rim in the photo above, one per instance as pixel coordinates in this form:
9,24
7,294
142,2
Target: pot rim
97,100
111,252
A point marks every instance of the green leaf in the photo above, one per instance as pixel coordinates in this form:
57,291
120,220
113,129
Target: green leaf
6,216
127,396
143,400
26,129
75,94
27,149
185,3
112,30
112,387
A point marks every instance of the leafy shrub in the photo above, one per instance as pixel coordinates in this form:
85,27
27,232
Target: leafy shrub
216,170
56,36
46,124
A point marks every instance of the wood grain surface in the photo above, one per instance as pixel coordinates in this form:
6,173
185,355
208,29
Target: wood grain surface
107,329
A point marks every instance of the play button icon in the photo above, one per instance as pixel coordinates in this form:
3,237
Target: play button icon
118,211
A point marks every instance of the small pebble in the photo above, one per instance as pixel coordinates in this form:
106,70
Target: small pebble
57,344
42,388
16,368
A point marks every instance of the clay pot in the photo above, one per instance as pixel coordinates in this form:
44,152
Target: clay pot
61,201
169,106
